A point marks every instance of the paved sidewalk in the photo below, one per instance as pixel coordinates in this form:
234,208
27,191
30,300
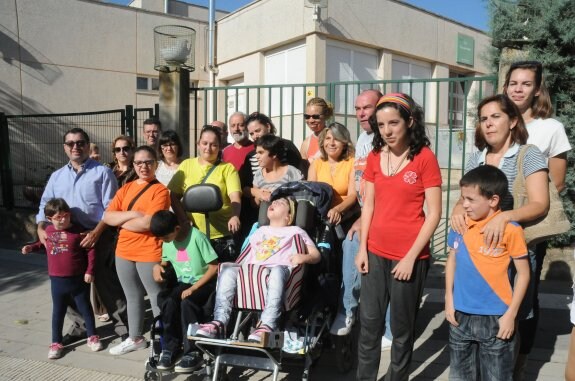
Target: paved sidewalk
25,313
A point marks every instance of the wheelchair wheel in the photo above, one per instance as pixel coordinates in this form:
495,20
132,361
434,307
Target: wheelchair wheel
343,353
151,375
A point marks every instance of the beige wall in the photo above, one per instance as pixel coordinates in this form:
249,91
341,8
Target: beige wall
387,25
69,62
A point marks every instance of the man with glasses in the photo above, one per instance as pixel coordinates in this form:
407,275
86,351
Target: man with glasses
88,187
236,153
152,131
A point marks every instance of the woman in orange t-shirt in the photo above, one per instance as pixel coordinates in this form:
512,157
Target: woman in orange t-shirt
335,167
137,250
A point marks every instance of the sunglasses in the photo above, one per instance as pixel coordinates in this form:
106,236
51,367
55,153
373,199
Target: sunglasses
147,163
78,143
313,116
122,149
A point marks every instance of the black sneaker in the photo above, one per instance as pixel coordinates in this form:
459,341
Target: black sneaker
165,361
189,363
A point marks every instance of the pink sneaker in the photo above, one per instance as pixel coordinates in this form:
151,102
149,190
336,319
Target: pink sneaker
55,351
256,335
94,343
212,330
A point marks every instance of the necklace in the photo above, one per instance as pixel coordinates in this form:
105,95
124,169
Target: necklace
390,169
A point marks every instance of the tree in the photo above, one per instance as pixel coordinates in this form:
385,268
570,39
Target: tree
545,31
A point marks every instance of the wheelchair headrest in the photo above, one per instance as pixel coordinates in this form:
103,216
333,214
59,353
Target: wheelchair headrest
304,215
202,198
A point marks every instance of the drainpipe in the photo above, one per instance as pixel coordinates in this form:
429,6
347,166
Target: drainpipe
166,5
211,41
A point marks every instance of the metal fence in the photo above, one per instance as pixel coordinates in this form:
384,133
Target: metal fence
449,105
31,146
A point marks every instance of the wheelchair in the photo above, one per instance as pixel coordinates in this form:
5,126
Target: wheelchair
309,307
201,198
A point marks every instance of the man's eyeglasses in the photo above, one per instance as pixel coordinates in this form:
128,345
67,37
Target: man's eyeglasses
313,116
78,143
147,163
122,149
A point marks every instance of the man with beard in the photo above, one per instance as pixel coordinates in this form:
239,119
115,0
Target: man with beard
236,153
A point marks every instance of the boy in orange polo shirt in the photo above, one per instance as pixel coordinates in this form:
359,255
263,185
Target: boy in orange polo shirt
480,303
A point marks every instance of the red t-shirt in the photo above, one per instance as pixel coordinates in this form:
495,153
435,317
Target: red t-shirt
398,209
236,156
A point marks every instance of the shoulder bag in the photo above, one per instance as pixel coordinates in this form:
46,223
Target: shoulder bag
555,222
130,206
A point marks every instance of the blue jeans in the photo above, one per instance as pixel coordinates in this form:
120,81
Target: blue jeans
475,339
226,290
351,282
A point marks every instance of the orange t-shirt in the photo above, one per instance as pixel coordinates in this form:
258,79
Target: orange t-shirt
339,181
140,247
313,148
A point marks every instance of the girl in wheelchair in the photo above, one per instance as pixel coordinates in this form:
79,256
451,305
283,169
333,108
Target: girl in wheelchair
277,246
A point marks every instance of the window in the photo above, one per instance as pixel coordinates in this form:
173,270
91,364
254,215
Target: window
457,98
284,67
350,64
404,69
147,83
236,98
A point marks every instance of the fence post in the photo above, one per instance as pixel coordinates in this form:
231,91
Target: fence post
128,128
6,170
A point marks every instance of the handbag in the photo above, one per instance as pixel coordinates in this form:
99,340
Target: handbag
555,222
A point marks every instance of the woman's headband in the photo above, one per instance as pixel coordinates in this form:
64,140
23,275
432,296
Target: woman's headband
397,98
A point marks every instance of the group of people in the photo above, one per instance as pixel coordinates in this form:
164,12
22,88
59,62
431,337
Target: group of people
108,224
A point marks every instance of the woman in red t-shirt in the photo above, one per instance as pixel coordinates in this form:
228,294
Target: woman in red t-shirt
401,175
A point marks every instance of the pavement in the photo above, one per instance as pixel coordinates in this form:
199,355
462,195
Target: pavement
25,314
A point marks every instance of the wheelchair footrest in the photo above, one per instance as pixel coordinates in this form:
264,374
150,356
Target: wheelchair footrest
244,361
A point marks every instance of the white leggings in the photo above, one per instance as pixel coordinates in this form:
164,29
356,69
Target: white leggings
137,280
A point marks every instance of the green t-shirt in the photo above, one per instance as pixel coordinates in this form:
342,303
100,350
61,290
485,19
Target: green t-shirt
190,257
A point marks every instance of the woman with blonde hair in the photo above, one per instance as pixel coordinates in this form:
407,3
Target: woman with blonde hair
317,113
335,167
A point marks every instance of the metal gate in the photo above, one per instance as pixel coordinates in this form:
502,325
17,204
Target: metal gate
31,146
449,105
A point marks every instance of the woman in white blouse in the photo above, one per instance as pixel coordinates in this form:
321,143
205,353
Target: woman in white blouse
169,152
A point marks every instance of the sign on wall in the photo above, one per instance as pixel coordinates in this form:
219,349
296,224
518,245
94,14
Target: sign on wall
465,49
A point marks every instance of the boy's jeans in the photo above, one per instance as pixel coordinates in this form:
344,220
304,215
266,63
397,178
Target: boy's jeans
475,339
351,282
226,290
